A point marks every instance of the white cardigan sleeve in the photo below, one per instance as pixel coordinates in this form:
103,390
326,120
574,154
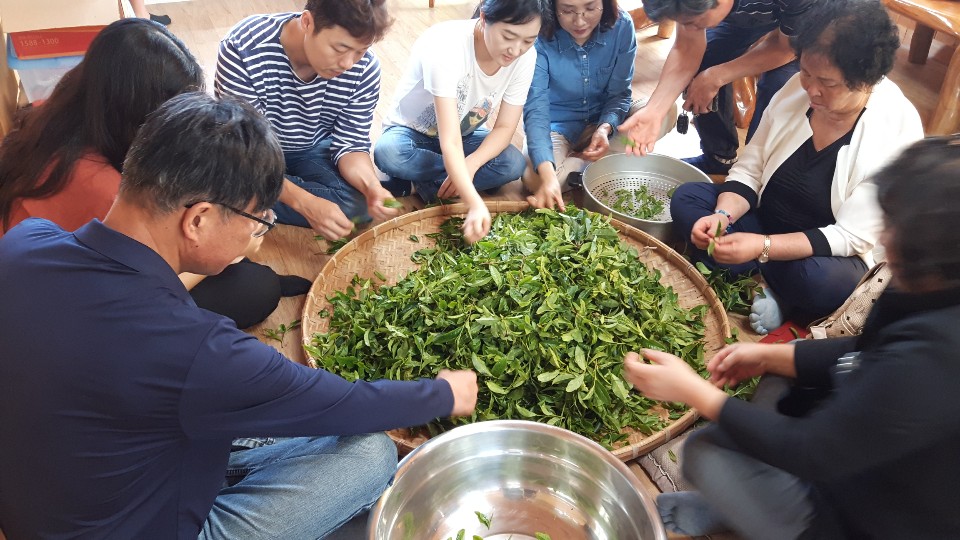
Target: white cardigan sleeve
889,124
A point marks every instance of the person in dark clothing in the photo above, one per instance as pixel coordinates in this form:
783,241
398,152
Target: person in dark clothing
799,207
718,42
865,443
124,404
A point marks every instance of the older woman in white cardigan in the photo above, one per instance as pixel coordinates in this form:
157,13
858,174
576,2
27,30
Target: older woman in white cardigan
799,206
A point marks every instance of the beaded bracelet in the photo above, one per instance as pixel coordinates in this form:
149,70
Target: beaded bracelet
729,219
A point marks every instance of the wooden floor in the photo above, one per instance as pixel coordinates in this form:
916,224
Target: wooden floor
289,250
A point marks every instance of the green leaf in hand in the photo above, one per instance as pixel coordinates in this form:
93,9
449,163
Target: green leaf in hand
392,203
712,246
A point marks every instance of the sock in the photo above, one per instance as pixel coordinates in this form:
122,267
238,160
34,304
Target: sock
687,512
294,285
162,19
765,313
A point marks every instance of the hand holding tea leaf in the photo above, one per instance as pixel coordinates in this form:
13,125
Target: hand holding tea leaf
392,203
380,203
712,246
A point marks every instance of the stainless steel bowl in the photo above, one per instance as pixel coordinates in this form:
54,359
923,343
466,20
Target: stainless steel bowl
659,174
526,477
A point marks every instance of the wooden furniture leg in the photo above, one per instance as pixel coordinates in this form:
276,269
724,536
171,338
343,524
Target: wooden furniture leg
933,16
946,117
431,3
920,44
666,28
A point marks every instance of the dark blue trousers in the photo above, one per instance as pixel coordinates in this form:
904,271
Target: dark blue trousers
718,132
808,288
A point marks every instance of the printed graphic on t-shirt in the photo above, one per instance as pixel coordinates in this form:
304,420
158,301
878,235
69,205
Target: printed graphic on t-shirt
426,123
475,117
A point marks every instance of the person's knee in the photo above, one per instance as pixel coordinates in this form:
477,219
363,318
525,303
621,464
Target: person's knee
513,162
246,292
806,283
692,197
389,155
699,456
378,454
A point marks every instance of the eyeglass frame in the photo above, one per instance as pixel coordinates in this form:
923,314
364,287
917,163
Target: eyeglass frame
587,14
255,234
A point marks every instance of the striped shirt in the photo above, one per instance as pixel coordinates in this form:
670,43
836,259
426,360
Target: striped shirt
787,14
252,65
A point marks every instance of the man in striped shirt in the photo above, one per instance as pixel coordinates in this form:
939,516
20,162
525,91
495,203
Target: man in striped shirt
312,76
714,47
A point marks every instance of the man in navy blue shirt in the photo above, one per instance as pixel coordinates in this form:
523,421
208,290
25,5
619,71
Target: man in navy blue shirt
121,398
718,42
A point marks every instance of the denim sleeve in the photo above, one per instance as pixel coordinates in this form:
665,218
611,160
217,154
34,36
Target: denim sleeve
536,111
618,91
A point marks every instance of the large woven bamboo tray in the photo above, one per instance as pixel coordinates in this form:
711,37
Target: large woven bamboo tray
387,248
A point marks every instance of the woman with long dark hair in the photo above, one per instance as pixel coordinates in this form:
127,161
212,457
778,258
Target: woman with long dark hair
64,162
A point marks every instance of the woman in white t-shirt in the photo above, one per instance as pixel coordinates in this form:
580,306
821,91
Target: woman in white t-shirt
459,72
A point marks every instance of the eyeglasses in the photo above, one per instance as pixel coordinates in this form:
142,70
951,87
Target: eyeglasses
265,225
588,14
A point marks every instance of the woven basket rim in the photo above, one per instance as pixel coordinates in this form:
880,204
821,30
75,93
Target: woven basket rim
626,452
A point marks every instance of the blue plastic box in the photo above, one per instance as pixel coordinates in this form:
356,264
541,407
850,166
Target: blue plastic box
40,76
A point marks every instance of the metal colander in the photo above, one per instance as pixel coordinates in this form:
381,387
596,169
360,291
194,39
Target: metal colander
660,175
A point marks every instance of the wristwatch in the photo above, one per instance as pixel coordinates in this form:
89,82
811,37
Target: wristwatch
765,254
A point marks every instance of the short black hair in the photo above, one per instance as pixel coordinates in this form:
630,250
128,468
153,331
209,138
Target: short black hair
857,36
673,10
918,193
366,20
196,147
514,11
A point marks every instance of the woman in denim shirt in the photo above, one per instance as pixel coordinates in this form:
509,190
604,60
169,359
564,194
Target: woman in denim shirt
580,91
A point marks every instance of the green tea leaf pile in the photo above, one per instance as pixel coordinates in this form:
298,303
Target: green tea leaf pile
544,309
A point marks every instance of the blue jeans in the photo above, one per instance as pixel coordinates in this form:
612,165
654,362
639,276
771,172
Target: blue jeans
718,132
808,288
304,487
407,154
314,170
